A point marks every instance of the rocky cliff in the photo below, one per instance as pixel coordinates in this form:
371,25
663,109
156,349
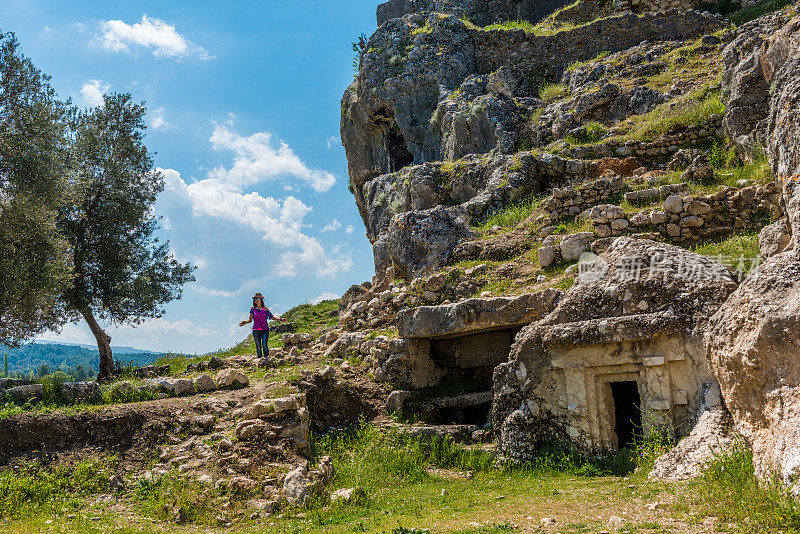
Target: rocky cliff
754,346
511,148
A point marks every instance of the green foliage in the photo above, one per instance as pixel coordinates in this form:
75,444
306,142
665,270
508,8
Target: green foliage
310,317
512,215
732,492
595,131
722,156
35,487
34,264
739,251
512,25
738,15
77,361
164,496
550,92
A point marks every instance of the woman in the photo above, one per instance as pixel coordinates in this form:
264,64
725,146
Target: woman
260,316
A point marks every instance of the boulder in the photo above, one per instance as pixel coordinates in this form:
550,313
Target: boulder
232,377
204,383
712,435
27,393
289,403
753,349
81,392
475,315
637,297
299,486
573,245
774,238
422,241
184,386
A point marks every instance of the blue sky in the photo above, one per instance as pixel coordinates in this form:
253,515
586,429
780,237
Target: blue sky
243,101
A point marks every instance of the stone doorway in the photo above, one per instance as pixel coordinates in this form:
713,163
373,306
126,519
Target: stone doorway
627,412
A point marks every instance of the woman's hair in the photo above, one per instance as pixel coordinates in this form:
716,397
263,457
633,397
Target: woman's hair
255,301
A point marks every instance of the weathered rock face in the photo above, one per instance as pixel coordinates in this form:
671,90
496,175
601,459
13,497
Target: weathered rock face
473,316
753,350
635,317
753,343
418,242
748,102
411,65
481,12
712,436
433,88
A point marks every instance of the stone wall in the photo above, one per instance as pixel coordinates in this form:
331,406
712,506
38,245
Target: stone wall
642,6
544,54
691,219
660,148
481,12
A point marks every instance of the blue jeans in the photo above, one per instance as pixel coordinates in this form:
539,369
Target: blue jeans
261,337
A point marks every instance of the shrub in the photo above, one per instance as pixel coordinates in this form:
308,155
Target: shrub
28,488
732,492
550,92
512,215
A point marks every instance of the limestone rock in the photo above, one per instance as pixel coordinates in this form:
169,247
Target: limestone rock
774,238
752,349
712,435
638,299
299,486
204,383
419,242
573,245
80,391
232,377
475,315
23,394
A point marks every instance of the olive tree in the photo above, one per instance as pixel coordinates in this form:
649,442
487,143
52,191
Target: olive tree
122,272
34,182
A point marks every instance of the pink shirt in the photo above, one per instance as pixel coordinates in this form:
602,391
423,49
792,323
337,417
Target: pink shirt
261,318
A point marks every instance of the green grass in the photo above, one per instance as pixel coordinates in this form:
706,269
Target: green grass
732,492
693,110
36,488
594,133
511,216
739,16
739,251
550,92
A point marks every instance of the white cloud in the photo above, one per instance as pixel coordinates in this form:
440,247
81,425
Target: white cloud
202,290
258,159
349,230
157,120
156,327
279,222
156,34
332,226
332,141
92,92
325,296
70,333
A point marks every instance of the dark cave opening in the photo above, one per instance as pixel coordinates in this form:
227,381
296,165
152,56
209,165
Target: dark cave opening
627,412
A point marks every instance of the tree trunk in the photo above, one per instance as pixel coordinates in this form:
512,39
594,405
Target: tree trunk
103,345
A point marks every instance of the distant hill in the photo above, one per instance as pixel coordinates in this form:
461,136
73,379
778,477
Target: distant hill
75,359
